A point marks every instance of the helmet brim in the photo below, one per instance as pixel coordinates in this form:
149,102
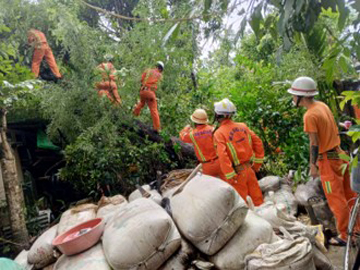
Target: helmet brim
300,93
199,121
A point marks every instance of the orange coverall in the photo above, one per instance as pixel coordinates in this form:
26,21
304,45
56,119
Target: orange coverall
319,119
108,86
38,40
237,146
149,81
202,139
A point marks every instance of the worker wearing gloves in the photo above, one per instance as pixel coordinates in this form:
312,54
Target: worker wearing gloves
38,40
149,83
202,138
240,152
325,162
108,86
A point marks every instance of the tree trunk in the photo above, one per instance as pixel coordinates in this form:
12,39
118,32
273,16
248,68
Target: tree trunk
13,189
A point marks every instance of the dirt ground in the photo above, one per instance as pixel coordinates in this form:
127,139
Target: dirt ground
336,254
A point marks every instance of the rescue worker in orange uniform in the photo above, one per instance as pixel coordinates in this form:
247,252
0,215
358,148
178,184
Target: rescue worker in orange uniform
149,83
240,152
108,85
202,139
38,40
323,132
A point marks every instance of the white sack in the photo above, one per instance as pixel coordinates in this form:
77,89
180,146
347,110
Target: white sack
140,236
285,254
208,212
109,208
270,183
253,232
42,251
91,259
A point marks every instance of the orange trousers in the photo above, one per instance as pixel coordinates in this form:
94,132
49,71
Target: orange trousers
246,184
212,168
109,89
337,190
39,54
149,97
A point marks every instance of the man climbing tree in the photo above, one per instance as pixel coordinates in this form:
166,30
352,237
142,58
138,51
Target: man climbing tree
149,83
108,85
202,139
236,145
320,125
38,41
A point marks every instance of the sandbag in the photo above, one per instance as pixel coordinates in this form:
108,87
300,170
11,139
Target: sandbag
283,198
154,195
208,212
270,183
42,251
107,207
305,191
75,216
91,259
21,259
182,259
285,254
173,180
253,232
277,217
140,236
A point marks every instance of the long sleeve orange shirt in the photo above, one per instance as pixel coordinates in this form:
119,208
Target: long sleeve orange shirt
237,144
202,139
151,77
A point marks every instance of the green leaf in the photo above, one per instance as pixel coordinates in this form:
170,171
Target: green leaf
343,64
344,14
355,128
344,157
329,4
256,19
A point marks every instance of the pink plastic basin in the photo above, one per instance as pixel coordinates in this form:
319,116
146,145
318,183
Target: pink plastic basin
81,237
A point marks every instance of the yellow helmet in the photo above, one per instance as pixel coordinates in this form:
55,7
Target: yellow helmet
199,116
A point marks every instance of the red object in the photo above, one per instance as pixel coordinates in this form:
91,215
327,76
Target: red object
149,97
236,144
80,237
202,139
41,49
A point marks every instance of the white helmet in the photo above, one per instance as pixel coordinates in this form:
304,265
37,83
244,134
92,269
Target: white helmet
224,107
303,86
199,116
160,63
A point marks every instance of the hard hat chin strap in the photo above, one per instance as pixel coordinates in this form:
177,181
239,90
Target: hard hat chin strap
298,101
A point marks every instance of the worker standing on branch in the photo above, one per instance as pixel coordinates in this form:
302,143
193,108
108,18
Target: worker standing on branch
321,127
149,81
202,139
108,85
38,40
237,147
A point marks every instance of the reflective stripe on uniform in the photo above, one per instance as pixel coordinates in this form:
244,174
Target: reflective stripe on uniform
233,153
258,160
197,146
230,175
328,187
